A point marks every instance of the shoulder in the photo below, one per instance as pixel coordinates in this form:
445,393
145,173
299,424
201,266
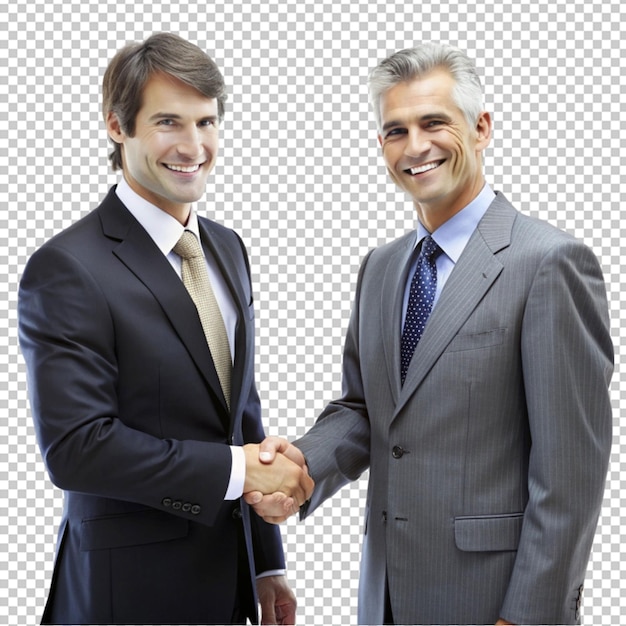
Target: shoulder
83,248
543,245
80,232
226,243
392,255
389,250
526,236
540,250
540,233
67,253
219,231
83,235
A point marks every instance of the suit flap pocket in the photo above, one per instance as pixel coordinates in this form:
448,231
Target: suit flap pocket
131,529
476,341
488,532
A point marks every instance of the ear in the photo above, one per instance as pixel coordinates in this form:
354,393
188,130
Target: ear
380,140
114,128
483,131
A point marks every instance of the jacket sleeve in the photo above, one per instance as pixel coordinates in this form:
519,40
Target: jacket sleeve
567,358
337,448
266,538
67,336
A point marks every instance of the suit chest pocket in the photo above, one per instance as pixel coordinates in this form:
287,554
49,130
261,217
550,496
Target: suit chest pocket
477,341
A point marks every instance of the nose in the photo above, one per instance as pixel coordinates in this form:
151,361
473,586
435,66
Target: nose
190,143
418,143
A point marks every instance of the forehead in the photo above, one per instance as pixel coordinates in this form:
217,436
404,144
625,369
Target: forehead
422,96
168,94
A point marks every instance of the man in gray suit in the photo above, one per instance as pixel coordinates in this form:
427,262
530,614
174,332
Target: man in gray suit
486,422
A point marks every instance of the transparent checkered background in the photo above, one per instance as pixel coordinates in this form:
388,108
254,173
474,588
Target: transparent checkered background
301,179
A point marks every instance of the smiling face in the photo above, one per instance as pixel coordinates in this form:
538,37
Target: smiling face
174,146
430,150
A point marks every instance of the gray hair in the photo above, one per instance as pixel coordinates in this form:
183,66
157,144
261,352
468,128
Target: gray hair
413,63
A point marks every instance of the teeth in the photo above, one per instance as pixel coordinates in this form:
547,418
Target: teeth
424,168
180,168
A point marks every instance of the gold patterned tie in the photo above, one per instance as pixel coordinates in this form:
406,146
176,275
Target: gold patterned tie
196,280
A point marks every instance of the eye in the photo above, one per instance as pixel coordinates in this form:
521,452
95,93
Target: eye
166,122
208,123
395,132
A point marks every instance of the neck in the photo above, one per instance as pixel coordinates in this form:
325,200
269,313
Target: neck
433,214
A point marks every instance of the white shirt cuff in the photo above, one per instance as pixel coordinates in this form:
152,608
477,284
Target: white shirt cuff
237,474
271,572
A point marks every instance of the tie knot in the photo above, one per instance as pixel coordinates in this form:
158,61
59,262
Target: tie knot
188,246
430,249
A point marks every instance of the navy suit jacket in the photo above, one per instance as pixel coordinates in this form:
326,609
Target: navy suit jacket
133,426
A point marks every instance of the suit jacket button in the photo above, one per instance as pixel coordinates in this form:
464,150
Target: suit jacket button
177,505
195,509
186,507
237,513
166,502
397,452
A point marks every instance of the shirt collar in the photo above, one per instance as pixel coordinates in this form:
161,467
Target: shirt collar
452,236
164,229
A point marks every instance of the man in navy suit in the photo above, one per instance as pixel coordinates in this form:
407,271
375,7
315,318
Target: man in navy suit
133,423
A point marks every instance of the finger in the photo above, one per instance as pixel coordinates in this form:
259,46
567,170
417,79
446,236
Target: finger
268,616
308,485
270,446
303,491
295,455
274,504
276,520
253,497
276,508
286,614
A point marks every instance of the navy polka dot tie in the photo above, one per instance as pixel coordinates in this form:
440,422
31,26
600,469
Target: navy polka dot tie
421,298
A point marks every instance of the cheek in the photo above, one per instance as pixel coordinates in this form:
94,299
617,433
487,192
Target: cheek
460,153
391,154
158,146
212,148
390,158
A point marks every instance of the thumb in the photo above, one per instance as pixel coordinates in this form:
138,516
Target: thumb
270,446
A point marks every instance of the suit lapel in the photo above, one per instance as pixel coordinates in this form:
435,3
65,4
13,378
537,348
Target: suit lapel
392,295
227,264
472,277
142,257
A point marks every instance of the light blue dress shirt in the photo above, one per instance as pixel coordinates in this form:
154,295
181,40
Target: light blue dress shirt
452,237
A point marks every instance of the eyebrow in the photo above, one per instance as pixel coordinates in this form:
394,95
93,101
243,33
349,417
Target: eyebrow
160,116
424,118
175,116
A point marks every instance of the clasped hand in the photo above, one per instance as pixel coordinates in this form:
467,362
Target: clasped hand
277,479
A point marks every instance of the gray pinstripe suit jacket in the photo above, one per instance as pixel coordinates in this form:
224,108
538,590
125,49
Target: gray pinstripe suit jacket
487,468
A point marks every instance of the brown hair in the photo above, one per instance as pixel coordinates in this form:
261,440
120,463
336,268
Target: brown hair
135,63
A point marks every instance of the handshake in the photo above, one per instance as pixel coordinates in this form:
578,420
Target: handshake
277,479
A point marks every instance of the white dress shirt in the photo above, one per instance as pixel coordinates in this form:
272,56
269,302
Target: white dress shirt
165,231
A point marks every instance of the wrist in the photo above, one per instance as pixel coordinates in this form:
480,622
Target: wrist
235,488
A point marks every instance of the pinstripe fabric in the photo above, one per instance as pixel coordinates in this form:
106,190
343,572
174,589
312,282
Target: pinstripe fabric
487,467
